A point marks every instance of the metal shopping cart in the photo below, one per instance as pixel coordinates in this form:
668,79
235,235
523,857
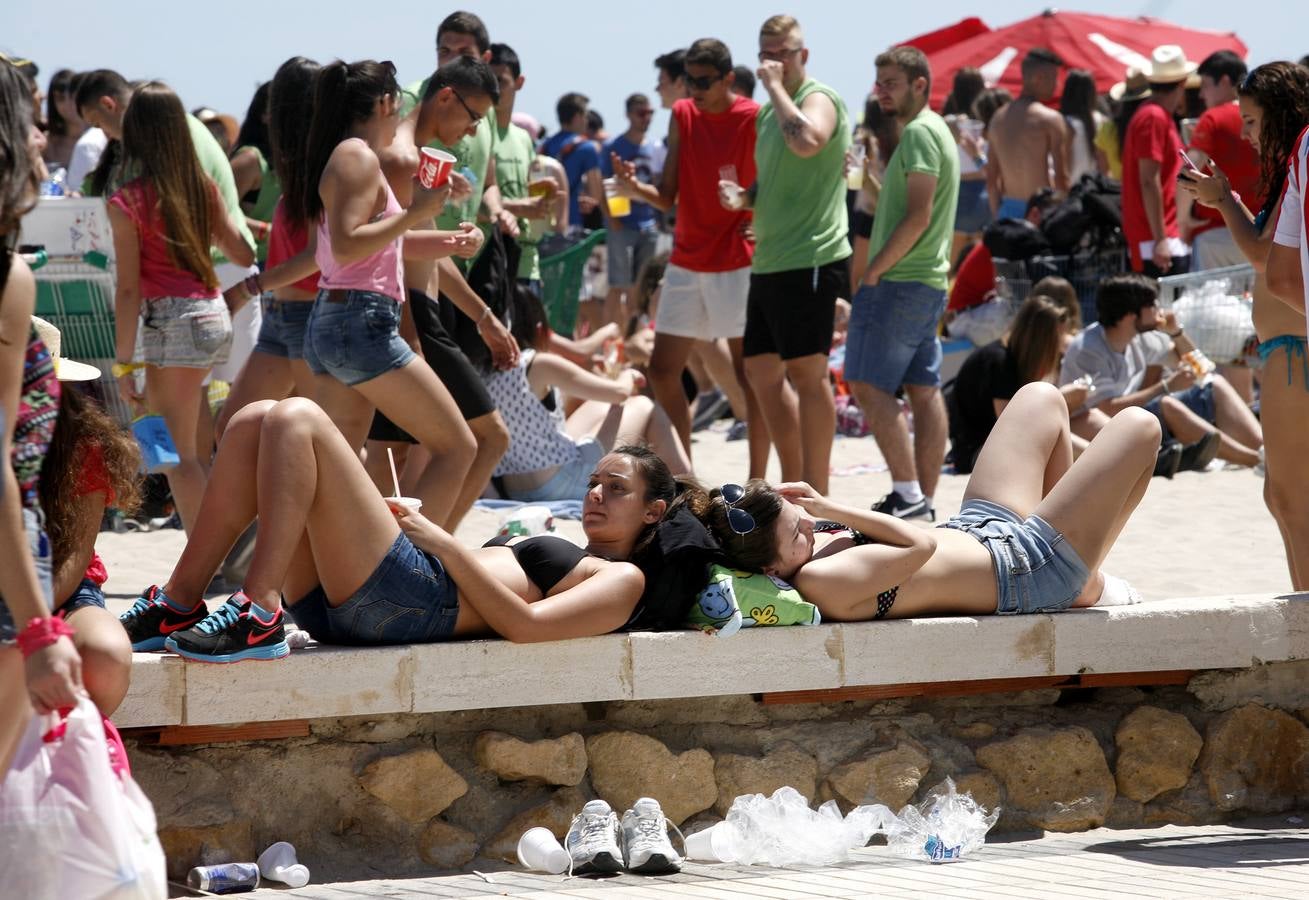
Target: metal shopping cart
1214,307
1014,278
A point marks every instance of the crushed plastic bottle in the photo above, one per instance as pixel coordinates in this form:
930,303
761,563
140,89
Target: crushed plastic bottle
943,828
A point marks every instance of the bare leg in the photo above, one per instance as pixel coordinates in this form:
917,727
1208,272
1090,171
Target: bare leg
931,430
1234,418
889,428
615,309
1028,452
377,463
492,436
780,406
263,377
717,359
310,479
1241,378
1094,586
817,407
1087,425
757,436
348,409
175,393
15,707
667,360
106,656
206,435
1285,410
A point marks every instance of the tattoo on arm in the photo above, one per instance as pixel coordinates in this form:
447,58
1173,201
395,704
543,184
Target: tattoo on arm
794,126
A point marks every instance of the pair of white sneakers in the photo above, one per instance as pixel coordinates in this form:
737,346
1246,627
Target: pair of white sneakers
599,842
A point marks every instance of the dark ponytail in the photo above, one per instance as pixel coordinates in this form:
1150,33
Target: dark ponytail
344,94
290,113
756,550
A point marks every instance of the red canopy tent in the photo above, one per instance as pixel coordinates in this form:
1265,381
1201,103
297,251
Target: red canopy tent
1106,45
949,35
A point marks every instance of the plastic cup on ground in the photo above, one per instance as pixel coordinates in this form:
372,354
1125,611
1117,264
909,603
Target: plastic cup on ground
540,850
434,167
279,863
619,206
716,843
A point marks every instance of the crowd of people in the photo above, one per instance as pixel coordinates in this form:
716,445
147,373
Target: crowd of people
362,313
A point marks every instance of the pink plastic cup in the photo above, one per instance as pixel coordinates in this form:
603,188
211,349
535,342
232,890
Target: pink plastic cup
434,167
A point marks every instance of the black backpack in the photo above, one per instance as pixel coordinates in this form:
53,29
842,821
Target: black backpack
1091,216
1014,239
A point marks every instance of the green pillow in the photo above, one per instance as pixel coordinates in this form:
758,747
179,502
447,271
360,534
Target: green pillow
734,600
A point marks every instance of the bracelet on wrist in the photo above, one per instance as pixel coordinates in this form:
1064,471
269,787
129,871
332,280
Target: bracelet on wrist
486,311
41,633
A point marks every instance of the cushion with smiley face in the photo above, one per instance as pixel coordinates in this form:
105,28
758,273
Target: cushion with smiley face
735,599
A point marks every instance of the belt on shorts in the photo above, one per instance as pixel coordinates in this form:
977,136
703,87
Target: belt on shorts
337,295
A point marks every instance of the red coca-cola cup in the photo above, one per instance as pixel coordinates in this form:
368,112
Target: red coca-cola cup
434,167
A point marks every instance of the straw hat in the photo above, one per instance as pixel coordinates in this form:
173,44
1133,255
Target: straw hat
1136,87
65,369
1169,65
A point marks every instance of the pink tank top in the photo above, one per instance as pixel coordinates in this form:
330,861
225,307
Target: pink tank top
379,272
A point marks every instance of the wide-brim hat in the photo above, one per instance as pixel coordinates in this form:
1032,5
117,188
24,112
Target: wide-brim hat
1169,65
65,369
1135,87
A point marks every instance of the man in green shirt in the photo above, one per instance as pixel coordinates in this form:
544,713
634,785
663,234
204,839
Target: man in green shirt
514,155
892,341
800,263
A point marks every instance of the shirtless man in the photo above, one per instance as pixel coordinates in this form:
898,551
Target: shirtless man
1026,138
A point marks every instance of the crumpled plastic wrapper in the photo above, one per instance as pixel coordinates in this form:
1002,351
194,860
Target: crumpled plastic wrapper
943,828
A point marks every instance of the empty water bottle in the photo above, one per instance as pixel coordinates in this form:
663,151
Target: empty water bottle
54,185
229,878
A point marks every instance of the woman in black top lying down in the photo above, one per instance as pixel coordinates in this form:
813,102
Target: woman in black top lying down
357,569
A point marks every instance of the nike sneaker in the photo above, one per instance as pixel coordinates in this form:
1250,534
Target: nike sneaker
154,618
232,633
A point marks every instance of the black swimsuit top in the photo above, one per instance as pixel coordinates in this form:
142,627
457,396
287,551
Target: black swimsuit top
546,558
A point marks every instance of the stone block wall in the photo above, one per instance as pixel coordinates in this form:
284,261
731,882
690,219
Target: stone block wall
409,794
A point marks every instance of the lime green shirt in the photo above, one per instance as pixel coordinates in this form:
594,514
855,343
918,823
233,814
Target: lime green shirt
800,219
514,153
926,146
261,210
472,153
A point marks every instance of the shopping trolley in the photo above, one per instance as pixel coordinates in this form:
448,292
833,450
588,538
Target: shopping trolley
77,297
1014,278
1214,306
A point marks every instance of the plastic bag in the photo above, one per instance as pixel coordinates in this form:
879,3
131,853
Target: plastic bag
73,823
1216,321
782,830
943,828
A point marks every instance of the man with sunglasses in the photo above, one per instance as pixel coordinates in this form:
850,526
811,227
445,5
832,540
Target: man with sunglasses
632,238
801,257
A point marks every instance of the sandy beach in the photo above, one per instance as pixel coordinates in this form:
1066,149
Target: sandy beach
1200,534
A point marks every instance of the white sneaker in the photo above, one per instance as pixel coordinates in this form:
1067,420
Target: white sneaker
594,839
645,840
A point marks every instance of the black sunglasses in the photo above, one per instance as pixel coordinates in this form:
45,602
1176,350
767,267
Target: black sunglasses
476,117
704,82
741,521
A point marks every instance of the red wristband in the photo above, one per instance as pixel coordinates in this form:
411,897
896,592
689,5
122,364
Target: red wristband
41,633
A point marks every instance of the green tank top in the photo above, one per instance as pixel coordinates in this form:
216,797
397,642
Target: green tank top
261,210
800,218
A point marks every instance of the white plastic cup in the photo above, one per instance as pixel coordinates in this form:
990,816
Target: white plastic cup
716,843
540,850
278,863
413,504
434,167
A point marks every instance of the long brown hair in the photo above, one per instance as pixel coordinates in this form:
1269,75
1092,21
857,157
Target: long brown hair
82,424
19,180
290,111
754,551
157,143
1282,91
344,95
1034,337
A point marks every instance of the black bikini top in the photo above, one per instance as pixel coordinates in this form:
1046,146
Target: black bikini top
826,526
546,558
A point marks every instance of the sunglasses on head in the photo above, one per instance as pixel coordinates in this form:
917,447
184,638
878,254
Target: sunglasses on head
740,521
704,82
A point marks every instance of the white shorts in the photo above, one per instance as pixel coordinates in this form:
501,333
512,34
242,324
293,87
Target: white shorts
703,304
245,324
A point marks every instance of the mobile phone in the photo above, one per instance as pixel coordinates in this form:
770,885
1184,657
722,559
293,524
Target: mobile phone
1190,164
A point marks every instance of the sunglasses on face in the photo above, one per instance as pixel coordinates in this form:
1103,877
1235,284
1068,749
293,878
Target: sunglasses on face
704,82
740,521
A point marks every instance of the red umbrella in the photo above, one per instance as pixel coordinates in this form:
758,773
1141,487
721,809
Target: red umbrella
949,35
1106,45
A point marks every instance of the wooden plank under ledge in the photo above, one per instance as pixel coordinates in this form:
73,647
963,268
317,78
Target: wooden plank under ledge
979,686
180,735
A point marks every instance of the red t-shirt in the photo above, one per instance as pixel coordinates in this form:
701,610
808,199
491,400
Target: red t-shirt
159,276
286,240
975,279
1218,136
94,479
1151,134
707,237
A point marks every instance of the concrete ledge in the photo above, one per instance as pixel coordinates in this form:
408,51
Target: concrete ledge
1222,632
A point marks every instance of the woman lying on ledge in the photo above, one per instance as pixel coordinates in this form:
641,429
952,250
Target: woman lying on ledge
360,570
1030,537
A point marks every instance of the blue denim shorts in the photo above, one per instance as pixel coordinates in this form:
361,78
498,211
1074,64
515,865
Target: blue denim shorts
282,329
356,340
1198,398
628,249
39,545
88,593
892,339
409,599
973,211
570,482
1036,570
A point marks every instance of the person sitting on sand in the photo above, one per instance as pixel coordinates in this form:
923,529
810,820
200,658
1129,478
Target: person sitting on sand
1030,537
359,569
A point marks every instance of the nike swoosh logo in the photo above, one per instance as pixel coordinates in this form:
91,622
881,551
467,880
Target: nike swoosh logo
165,628
255,637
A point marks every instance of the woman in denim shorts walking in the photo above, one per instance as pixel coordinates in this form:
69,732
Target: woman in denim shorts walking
1030,537
164,222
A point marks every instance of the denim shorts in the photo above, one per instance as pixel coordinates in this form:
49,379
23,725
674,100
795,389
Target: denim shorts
282,331
892,340
39,545
570,482
973,211
1198,398
409,599
88,593
186,332
357,340
1036,570
628,250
